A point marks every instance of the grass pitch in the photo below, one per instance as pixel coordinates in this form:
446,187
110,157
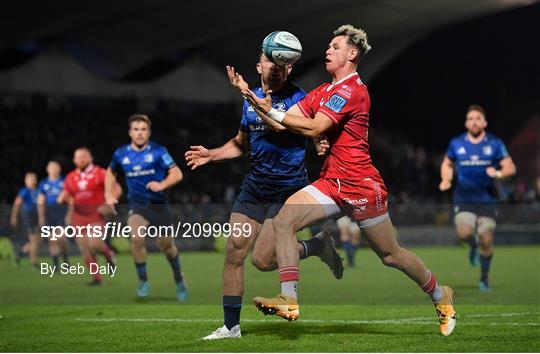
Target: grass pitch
373,308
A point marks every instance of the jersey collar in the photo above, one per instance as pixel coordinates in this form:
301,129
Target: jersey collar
87,170
342,80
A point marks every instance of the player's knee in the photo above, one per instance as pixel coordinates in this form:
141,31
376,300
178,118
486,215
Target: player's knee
283,221
263,263
394,259
486,225
236,254
137,242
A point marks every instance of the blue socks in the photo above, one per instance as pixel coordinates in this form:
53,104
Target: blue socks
175,266
485,263
232,305
141,271
349,251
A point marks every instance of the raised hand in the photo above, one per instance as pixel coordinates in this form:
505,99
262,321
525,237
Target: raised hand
261,104
236,80
197,156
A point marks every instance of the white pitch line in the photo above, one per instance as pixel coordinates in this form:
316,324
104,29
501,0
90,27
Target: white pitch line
407,321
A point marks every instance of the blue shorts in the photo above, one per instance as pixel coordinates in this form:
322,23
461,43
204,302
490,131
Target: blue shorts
261,201
489,210
30,221
55,214
157,214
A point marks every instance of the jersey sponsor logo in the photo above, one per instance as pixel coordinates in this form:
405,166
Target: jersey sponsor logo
258,119
461,151
140,173
336,103
476,162
258,127
126,161
137,168
487,150
346,93
149,158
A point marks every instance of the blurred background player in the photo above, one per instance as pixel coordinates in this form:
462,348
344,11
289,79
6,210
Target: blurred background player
349,183
84,192
479,158
26,202
52,213
149,170
349,234
276,171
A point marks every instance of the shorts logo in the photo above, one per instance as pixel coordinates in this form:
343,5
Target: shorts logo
336,103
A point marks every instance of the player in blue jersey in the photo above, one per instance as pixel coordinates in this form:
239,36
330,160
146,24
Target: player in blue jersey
52,213
276,172
479,159
26,202
149,170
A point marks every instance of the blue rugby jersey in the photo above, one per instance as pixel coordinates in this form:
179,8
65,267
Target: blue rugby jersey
29,199
473,185
51,189
142,167
275,157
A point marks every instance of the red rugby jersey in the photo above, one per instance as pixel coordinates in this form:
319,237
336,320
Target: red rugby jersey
347,104
87,187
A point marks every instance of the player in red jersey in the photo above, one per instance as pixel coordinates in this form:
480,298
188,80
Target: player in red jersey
349,183
84,191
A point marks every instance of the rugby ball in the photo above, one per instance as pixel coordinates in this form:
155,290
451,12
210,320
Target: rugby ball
282,48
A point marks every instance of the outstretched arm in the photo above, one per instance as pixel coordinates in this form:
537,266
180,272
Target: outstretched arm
198,155
295,123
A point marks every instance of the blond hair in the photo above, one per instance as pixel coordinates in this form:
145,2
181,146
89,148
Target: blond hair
355,36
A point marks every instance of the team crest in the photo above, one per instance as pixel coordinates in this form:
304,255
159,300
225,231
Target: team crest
82,184
149,158
280,106
487,150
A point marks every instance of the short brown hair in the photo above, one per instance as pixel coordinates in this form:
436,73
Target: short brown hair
476,107
139,117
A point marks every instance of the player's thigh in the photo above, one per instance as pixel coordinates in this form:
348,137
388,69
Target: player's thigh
301,210
486,227
381,237
265,245
138,225
238,246
465,222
